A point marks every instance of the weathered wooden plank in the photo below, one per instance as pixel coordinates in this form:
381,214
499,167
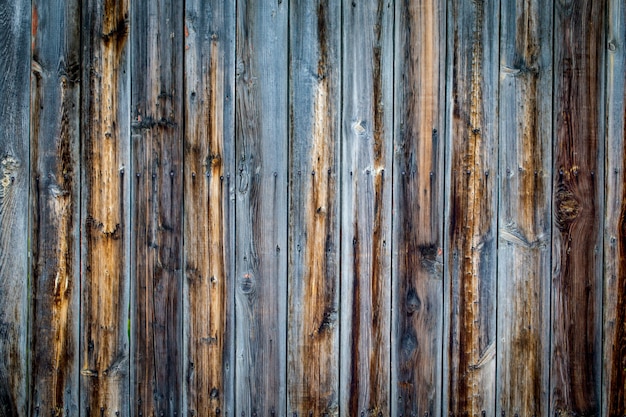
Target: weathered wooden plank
157,125
261,207
470,249
209,154
578,172
314,110
367,141
105,214
55,197
614,351
418,177
524,218
15,21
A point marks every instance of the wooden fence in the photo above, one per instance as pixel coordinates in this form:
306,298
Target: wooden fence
312,208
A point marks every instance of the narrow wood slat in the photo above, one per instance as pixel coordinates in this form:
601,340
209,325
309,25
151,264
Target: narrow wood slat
314,116
366,178
614,353
15,23
55,199
157,135
418,177
524,232
261,208
209,173
578,197
105,222
470,249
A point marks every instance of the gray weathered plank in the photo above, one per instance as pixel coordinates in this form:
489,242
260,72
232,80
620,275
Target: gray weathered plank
261,207
366,178
157,37
614,354
578,199
15,22
524,218
55,199
472,167
314,110
209,155
105,214
418,199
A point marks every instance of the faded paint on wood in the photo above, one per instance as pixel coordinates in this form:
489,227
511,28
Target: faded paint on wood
524,221
105,222
15,21
209,173
472,144
578,172
314,115
157,136
261,208
614,305
366,178
418,176
55,205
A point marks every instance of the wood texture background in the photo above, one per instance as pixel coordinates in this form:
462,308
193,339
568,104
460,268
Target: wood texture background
313,208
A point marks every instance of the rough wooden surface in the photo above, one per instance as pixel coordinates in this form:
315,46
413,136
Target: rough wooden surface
314,115
157,126
55,202
418,178
472,139
578,199
105,214
14,184
261,208
209,155
524,220
366,181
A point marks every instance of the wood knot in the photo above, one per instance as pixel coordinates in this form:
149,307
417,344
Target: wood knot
567,208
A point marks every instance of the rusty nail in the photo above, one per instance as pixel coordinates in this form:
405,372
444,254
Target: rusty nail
221,178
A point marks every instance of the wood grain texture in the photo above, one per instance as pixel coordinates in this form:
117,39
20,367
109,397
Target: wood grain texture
261,208
524,225
314,114
614,349
209,155
157,36
15,22
55,200
418,177
578,198
472,143
366,178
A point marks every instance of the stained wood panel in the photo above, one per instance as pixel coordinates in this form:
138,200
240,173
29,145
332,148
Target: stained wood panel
209,176
261,207
578,196
470,258
55,205
524,219
157,156
14,188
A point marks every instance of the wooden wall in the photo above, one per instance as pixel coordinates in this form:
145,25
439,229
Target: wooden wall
305,208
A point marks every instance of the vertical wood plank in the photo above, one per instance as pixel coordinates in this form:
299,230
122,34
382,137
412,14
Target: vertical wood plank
261,212
209,153
614,353
367,140
472,143
524,232
314,110
55,199
578,196
157,127
15,23
418,178
105,238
